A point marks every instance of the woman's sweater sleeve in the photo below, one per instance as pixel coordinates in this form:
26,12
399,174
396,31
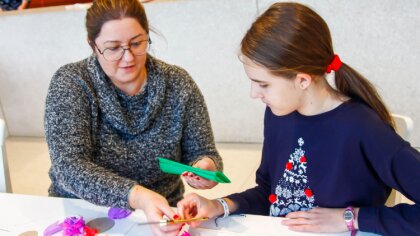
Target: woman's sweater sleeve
68,132
198,139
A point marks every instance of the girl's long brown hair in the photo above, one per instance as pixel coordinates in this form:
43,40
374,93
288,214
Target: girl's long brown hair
289,38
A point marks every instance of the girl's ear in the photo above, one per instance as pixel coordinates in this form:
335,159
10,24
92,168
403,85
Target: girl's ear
302,81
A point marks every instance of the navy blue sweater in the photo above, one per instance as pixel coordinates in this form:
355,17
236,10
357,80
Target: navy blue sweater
345,157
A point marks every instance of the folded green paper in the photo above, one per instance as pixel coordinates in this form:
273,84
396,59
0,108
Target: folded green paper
176,168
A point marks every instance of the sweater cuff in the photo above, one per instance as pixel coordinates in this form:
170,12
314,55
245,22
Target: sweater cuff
241,203
367,219
128,197
120,195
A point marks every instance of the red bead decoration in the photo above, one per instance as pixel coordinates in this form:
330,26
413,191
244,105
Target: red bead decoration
303,159
308,192
289,165
272,198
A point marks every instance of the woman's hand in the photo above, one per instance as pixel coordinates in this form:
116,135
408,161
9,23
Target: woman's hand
318,220
155,206
197,181
196,206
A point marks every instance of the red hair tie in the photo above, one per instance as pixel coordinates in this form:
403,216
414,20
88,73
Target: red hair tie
335,64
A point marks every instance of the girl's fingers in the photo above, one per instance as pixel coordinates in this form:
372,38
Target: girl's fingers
299,214
304,228
297,221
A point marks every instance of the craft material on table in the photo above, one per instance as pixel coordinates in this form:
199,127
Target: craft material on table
102,224
170,222
173,167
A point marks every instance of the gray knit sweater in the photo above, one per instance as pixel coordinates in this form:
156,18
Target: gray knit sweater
102,141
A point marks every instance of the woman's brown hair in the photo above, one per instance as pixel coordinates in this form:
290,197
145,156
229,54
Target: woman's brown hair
290,38
102,11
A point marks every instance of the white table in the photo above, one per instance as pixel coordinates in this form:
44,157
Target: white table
22,213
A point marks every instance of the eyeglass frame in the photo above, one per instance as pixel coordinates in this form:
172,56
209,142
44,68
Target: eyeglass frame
125,48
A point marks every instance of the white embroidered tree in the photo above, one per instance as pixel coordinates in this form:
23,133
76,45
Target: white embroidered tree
292,192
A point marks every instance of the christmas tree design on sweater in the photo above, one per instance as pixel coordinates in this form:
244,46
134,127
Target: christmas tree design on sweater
293,193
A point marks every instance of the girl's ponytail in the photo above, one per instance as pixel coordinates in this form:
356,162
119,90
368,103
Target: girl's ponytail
349,82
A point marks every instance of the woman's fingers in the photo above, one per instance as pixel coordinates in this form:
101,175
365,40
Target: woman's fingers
198,182
156,207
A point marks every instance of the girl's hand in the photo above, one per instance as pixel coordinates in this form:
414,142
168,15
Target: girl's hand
318,220
196,206
197,181
155,206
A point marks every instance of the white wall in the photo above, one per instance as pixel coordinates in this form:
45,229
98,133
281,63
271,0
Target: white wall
32,47
379,38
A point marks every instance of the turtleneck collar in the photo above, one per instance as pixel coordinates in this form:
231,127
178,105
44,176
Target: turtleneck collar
129,114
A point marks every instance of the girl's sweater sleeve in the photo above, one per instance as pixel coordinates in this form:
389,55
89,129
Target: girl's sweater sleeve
398,165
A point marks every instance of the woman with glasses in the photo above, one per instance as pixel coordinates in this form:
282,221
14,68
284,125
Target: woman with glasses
110,116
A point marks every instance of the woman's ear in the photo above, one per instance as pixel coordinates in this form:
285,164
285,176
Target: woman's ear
92,45
303,80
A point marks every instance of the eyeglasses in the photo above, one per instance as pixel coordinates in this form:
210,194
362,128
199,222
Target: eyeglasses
137,48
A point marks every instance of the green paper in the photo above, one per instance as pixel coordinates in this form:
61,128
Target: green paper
176,168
